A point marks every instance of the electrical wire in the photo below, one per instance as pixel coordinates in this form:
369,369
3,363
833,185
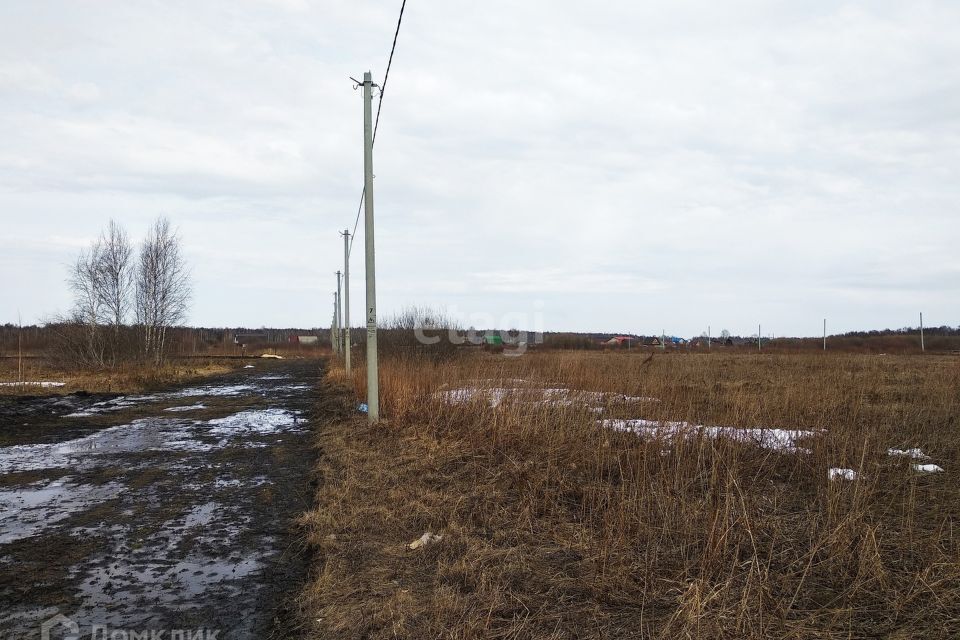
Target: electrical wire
376,126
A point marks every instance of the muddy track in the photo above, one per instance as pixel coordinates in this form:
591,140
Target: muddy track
162,511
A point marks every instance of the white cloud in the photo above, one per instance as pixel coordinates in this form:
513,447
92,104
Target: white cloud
635,166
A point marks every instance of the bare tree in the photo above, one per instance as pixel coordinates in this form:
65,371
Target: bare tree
87,284
116,272
162,288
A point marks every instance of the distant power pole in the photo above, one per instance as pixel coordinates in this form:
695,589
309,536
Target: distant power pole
922,347
708,336
824,334
346,299
333,325
339,316
373,378
663,340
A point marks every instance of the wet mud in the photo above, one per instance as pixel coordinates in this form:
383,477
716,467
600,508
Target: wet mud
157,512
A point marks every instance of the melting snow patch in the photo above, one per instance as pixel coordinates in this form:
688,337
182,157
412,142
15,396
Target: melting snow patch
558,396
915,454
33,384
192,407
228,390
842,474
116,404
927,468
784,440
84,453
254,421
249,366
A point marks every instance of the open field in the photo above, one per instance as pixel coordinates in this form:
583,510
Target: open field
557,524
132,376
127,378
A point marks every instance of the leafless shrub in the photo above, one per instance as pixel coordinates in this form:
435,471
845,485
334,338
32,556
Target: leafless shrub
418,331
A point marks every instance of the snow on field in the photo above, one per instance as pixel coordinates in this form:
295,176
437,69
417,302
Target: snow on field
784,440
551,396
915,454
842,474
33,384
928,468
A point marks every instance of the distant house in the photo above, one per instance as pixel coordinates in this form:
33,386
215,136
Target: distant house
308,339
651,341
619,341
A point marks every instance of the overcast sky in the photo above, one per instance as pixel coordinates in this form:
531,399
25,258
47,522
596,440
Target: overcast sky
618,166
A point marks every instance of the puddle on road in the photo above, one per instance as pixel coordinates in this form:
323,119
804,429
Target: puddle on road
184,539
148,434
158,573
127,402
28,510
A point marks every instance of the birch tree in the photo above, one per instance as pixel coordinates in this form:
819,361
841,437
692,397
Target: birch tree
162,288
116,274
86,282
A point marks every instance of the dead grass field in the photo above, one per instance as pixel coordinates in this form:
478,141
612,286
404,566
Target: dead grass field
557,527
126,378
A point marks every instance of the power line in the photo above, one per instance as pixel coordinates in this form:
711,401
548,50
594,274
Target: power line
386,75
383,86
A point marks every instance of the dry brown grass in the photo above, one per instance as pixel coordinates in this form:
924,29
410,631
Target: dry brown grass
126,378
556,528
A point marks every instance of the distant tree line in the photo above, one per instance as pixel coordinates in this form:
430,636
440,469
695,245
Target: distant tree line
125,299
930,331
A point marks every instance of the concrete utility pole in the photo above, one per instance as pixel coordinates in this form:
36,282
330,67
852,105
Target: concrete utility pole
373,378
922,347
333,325
346,299
663,340
339,316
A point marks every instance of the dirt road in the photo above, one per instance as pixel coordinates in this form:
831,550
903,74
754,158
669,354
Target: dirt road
159,512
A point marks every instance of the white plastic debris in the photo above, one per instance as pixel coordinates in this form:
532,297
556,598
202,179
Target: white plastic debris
424,540
249,366
837,473
272,356
927,468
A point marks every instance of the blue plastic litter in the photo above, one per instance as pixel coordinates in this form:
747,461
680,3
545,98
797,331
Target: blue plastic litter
363,408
